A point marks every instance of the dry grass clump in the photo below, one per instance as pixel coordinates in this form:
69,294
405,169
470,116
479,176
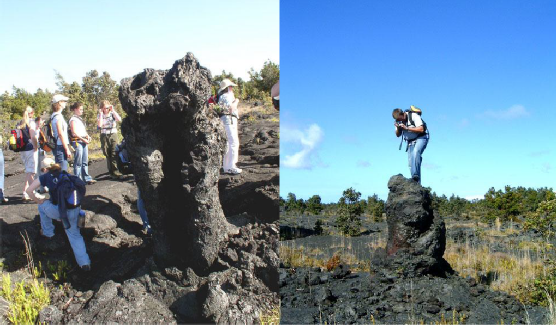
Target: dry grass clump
299,257
305,257
512,273
271,316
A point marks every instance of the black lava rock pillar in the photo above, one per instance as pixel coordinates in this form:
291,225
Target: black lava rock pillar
416,237
175,146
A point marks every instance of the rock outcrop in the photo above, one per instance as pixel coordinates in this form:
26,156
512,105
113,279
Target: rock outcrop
416,238
177,147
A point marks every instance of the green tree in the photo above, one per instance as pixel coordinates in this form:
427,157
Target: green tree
349,210
542,220
314,205
318,227
267,77
375,207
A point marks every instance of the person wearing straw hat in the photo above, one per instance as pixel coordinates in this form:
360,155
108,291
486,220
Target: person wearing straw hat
48,210
229,116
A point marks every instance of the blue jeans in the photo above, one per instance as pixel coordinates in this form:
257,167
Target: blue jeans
81,161
141,208
1,170
49,211
40,153
60,157
414,153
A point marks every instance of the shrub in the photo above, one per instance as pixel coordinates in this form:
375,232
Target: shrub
25,299
333,262
543,218
318,227
349,210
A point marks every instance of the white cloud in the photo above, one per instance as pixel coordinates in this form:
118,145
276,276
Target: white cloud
539,153
309,140
516,111
430,166
363,163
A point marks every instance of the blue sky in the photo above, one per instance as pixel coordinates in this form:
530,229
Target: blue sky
125,37
483,72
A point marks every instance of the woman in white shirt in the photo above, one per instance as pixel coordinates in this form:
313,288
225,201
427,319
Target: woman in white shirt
79,141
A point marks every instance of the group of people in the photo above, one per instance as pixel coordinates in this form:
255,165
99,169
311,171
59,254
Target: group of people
43,173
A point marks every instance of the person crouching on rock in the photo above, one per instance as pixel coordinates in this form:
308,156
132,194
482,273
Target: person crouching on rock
60,131
107,119
229,116
48,210
415,133
79,141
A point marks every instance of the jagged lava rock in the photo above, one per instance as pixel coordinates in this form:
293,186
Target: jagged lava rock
176,146
416,238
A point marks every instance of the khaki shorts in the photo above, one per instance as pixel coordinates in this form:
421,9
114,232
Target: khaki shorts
30,160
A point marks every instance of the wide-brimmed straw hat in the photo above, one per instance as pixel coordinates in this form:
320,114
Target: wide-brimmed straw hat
58,98
225,84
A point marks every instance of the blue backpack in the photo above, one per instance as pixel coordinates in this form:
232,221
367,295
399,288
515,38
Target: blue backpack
70,191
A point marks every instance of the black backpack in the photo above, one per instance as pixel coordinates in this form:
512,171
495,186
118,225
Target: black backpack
47,140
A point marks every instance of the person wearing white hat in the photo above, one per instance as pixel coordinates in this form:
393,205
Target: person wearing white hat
48,210
60,131
229,116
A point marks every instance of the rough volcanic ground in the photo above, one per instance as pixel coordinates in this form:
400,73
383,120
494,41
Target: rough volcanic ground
125,284
364,288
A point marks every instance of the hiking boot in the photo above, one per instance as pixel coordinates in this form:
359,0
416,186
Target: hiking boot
147,230
3,199
86,267
234,171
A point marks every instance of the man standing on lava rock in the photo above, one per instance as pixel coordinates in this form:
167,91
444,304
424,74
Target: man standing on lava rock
415,132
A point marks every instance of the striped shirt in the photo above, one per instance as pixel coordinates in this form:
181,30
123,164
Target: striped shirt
108,124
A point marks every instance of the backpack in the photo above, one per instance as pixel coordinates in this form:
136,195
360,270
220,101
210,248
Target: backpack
47,141
415,110
122,159
72,188
69,193
19,138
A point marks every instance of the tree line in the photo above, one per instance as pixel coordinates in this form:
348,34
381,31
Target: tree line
535,208
95,87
